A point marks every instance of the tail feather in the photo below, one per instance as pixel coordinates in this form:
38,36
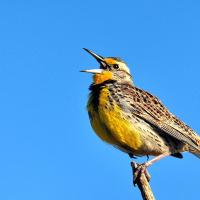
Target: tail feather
196,151
197,154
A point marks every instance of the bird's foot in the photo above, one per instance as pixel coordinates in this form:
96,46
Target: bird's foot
141,169
138,171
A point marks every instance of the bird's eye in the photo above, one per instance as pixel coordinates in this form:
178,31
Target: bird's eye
116,66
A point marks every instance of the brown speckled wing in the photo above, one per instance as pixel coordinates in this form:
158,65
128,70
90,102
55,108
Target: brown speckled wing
151,110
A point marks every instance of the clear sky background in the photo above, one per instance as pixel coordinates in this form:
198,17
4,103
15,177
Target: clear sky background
48,150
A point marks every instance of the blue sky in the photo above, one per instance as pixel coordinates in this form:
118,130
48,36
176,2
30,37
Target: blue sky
47,148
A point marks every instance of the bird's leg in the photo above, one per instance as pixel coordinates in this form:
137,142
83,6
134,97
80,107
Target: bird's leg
132,156
157,158
142,168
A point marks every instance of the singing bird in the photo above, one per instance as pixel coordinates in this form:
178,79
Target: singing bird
132,119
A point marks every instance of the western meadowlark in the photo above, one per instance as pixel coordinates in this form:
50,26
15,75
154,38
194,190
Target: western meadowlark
132,119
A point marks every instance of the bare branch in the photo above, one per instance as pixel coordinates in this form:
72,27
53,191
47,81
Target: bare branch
141,179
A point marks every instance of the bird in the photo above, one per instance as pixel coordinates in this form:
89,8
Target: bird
132,119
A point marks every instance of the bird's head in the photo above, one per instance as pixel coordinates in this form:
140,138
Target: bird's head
111,68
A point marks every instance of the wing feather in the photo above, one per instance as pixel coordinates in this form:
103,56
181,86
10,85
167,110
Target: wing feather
151,110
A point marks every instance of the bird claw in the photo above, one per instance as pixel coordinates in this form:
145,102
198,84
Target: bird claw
140,169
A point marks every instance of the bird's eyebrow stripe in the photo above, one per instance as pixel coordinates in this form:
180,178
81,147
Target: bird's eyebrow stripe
115,58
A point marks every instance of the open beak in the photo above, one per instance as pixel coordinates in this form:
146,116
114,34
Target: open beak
99,59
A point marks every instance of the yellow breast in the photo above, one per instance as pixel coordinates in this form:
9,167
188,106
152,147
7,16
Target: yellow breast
111,125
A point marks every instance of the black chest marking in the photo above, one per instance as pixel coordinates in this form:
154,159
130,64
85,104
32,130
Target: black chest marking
96,90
